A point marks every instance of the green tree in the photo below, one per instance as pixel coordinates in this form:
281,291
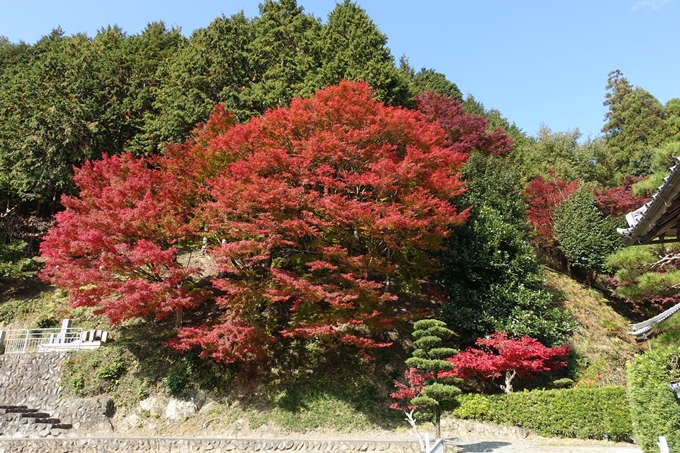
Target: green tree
213,67
429,358
647,276
635,121
51,110
584,235
673,118
560,155
14,265
428,80
660,159
489,270
247,65
493,283
353,48
141,56
549,153
284,55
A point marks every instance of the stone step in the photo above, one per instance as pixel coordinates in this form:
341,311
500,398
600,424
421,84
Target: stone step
34,415
62,426
17,410
52,421
24,422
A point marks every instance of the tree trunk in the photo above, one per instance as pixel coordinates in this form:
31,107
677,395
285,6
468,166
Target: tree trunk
509,376
438,423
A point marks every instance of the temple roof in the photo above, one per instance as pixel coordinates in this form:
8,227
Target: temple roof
657,221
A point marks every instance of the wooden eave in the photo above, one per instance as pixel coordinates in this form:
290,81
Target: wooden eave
658,221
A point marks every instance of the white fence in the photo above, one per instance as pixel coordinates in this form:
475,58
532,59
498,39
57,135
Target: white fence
66,338
25,341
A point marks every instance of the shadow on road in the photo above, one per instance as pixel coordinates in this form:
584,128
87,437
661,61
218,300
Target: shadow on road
481,447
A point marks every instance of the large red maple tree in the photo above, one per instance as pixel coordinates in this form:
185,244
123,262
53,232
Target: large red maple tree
320,218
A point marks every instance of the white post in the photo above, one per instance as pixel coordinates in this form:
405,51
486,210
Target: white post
65,325
663,445
26,340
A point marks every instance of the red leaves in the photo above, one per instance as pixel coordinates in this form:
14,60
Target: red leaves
618,201
465,132
406,392
499,354
116,245
324,202
226,343
320,218
543,197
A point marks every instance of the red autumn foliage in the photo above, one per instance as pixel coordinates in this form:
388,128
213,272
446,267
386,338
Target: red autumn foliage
464,132
618,201
321,219
502,356
326,211
406,392
543,197
116,245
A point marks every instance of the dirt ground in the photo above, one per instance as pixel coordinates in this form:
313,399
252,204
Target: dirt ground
466,442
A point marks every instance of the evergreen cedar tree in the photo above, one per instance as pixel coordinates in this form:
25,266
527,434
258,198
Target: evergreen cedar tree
322,220
500,356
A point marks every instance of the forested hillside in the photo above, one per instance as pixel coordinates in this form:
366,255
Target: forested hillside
281,189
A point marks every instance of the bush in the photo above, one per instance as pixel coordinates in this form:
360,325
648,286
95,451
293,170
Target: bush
177,382
654,408
14,264
581,412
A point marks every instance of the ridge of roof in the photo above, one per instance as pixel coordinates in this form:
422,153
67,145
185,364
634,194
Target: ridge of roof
642,221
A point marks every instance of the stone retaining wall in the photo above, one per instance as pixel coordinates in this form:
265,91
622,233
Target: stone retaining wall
166,445
33,380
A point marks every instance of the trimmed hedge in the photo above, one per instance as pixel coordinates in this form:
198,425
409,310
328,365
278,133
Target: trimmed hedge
581,412
654,408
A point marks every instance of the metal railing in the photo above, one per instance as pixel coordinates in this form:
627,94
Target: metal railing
24,341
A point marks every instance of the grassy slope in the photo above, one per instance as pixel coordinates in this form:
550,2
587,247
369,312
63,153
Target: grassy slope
601,337
313,388
302,393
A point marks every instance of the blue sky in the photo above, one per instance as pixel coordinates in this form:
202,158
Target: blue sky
536,61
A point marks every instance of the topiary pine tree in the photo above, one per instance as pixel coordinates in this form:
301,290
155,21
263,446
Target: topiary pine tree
429,358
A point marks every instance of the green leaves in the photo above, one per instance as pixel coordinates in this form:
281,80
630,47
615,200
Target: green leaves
14,265
635,122
583,234
68,99
436,391
353,48
655,410
493,282
581,412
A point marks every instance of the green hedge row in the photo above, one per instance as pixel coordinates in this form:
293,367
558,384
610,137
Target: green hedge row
654,408
581,412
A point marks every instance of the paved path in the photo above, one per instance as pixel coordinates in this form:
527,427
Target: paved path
541,445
